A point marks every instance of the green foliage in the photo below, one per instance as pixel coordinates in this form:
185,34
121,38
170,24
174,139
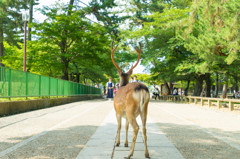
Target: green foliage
212,33
144,78
182,39
13,56
65,44
11,23
158,31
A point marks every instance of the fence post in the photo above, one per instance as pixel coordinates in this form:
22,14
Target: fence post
57,88
231,106
195,100
219,104
209,103
49,87
26,84
63,88
40,85
9,84
202,102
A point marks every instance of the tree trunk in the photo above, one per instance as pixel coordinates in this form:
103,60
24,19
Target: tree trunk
65,71
166,84
198,85
186,89
1,40
216,86
70,6
71,77
208,84
170,88
78,77
31,2
203,93
235,85
225,87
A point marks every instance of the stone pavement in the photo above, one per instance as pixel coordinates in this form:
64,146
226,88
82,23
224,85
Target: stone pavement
101,144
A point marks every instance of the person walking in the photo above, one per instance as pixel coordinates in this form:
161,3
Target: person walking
110,86
156,93
175,92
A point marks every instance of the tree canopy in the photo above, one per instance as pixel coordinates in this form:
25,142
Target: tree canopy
188,41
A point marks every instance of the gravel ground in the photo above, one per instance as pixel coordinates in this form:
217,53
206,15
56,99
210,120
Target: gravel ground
64,137
61,132
197,132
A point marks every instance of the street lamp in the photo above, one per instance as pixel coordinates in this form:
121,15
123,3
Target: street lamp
25,17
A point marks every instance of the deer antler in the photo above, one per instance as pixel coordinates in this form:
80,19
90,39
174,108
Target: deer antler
139,55
113,57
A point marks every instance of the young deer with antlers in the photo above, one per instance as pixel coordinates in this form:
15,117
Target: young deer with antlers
131,100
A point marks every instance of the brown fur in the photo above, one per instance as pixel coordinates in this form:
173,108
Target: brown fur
128,104
130,101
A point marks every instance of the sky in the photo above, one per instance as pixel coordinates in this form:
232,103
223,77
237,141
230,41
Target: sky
40,18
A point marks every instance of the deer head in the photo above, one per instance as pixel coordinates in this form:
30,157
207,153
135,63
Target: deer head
124,77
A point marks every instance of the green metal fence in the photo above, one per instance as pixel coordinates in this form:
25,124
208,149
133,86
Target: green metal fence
15,83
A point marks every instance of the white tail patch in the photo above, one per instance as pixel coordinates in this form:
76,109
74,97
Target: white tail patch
142,100
144,97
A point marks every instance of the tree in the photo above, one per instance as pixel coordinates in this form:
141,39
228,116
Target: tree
69,37
31,5
106,13
211,33
10,22
157,31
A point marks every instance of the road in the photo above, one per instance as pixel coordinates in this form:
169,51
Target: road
66,131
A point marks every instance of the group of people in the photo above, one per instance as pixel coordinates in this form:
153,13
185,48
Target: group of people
110,86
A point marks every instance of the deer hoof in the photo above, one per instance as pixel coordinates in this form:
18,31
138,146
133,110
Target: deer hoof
126,145
128,157
147,155
117,144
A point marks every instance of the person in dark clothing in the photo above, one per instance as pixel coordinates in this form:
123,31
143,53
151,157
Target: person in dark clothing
156,93
110,86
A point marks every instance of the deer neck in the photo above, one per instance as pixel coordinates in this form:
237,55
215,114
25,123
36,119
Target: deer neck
123,83
124,79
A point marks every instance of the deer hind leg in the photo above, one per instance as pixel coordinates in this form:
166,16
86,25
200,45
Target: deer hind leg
133,122
144,120
119,120
126,128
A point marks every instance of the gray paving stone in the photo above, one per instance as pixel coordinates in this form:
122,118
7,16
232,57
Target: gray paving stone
101,144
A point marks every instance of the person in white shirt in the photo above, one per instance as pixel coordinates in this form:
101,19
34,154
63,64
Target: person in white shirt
135,78
175,91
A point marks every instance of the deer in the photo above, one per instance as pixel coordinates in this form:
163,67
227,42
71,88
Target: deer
131,100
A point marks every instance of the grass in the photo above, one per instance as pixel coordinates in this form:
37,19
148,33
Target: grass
28,98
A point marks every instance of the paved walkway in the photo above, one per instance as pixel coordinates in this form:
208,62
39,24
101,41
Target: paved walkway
87,130
101,144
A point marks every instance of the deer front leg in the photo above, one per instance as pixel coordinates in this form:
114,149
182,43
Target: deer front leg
119,119
126,128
